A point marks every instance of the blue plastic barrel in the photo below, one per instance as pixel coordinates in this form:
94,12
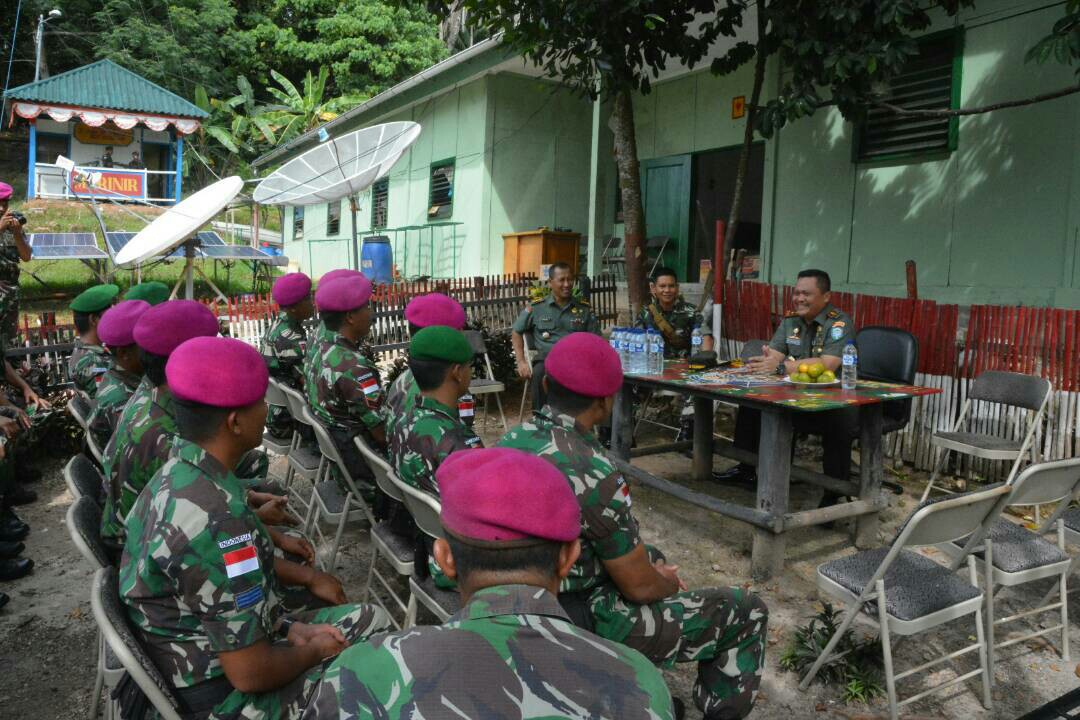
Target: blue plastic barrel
377,259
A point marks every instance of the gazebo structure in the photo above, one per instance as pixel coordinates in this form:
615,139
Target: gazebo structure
111,122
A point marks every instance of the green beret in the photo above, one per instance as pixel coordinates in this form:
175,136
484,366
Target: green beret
439,342
152,291
95,299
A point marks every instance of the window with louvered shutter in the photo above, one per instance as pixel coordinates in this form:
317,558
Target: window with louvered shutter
930,81
380,204
333,217
441,191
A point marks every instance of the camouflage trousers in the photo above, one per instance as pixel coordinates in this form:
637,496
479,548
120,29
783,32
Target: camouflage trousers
9,311
723,629
279,422
253,466
356,622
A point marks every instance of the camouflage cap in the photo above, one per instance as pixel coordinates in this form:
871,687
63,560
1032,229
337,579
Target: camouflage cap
343,293
585,364
95,299
439,342
217,371
506,496
435,309
291,289
151,291
117,325
162,328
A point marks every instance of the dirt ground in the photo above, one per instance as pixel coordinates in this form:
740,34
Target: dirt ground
48,637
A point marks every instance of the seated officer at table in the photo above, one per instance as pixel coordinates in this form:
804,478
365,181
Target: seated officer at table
547,321
511,523
815,331
618,588
199,577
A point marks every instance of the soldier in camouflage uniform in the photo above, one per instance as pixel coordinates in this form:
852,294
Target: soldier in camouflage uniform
511,651
89,362
441,360
322,333
722,629
673,317
815,331
284,345
116,330
344,390
421,312
14,249
198,575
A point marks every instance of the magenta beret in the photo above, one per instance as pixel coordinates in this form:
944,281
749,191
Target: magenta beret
435,309
217,371
343,293
163,327
585,364
117,326
291,289
501,495
340,272
5,191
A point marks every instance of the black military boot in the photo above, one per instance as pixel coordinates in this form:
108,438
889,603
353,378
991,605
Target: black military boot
15,568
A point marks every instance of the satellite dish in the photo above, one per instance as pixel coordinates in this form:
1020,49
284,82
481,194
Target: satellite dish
339,167
179,222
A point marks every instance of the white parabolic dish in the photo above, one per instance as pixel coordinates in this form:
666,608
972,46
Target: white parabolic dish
339,167
179,222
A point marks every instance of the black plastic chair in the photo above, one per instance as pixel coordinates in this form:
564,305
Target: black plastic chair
888,354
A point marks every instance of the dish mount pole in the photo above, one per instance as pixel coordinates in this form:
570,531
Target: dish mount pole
355,246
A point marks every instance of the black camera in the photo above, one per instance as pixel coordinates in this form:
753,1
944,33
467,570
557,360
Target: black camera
19,216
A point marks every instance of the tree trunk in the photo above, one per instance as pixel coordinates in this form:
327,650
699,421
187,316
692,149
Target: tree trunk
748,140
626,159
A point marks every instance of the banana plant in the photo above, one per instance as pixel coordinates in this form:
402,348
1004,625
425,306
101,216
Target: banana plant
297,112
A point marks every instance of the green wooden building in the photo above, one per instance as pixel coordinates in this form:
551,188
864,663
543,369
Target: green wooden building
988,206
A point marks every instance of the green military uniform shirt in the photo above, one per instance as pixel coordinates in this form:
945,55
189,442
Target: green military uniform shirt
827,334
9,285
112,395
314,351
608,528
88,365
511,652
344,392
422,440
284,347
544,323
399,398
676,325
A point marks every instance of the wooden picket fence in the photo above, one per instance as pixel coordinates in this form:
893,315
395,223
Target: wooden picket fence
1037,341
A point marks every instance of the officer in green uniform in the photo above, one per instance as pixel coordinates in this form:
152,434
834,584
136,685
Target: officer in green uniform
441,362
151,291
815,331
618,588
547,321
198,576
14,248
284,345
116,330
89,362
511,525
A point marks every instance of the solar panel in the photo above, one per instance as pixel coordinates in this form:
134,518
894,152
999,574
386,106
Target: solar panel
210,238
68,246
212,247
234,252
117,240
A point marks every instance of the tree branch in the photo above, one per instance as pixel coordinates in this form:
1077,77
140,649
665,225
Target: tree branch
897,110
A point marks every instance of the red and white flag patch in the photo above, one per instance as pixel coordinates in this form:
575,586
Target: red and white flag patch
241,561
369,385
466,408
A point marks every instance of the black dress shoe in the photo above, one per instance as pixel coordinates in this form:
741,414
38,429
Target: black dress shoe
30,475
11,549
741,474
19,495
15,568
3,599
12,529
680,708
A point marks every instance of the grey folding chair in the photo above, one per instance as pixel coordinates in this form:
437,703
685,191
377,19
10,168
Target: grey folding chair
910,592
328,501
113,623
425,510
1013,555
1010,390
305,463
395,549
654,250
486,385
84,525
529,354
275,397
84,479
79,407
613,258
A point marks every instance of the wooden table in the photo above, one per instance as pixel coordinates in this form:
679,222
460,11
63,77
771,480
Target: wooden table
777,403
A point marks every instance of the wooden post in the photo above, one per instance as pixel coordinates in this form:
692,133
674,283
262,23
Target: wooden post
774,473
912,281
703,439
871,472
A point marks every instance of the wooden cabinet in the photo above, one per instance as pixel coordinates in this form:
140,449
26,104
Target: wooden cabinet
525,252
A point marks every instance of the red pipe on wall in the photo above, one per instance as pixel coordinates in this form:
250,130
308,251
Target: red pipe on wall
719,264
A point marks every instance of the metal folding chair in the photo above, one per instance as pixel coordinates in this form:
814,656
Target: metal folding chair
654,249
910,592
486,385
396,549
328,502
613,258
79,407
113,623
442,603
275,397
1013,555
1011,391
529,354
305,462
83,479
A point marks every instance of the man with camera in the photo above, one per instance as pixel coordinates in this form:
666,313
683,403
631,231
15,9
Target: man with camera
14,248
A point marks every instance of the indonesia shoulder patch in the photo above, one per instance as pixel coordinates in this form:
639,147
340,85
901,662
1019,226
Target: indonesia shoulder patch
241,561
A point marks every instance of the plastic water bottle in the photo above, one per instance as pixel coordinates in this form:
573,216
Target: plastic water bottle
624,348
650,351
613,340
696,338
656,344
638,360
850,373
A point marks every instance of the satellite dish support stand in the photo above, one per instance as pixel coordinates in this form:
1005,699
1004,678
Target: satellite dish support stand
355,246
188,276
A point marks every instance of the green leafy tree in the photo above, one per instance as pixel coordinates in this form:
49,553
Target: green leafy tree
297,112
236,131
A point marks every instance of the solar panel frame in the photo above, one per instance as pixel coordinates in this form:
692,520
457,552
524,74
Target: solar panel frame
234,252
211,247
65,246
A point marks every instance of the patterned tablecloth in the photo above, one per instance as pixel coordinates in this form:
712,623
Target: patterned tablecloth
776,391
